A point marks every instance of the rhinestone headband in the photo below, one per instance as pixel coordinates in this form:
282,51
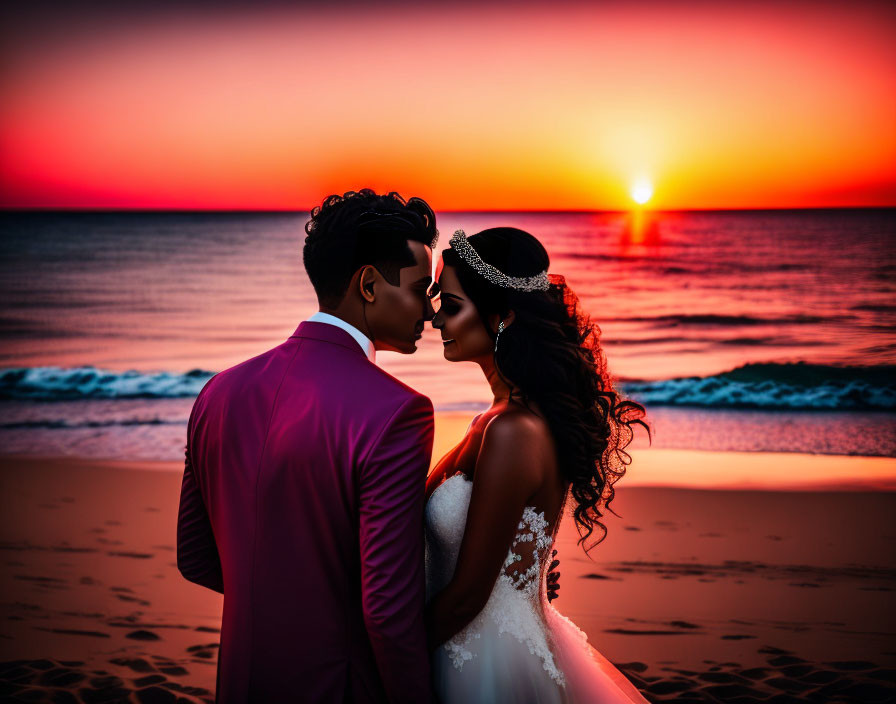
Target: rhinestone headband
461,245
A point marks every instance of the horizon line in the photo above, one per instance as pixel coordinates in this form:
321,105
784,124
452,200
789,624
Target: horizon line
559,211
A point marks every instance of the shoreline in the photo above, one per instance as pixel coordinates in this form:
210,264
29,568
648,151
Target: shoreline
155,430
696,470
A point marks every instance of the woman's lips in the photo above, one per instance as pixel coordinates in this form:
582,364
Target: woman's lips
447,342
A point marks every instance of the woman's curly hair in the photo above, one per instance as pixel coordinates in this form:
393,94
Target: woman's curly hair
552,354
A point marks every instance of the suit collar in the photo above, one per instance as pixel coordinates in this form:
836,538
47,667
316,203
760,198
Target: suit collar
365,342
327,332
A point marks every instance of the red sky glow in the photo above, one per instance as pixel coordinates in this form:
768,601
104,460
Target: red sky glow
493,107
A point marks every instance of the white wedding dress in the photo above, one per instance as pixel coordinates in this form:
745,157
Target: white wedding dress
518,648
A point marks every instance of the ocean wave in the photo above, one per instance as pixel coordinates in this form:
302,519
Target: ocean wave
64,424
794,386
797,385
76,383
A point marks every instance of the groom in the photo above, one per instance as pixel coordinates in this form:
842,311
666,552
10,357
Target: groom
303,490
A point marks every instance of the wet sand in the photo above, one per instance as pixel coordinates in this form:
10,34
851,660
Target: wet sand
698,595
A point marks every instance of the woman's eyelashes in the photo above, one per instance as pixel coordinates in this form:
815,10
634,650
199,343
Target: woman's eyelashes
448,308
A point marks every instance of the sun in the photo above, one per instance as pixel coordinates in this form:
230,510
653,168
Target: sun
642,190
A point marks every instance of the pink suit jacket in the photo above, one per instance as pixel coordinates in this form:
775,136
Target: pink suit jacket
302,502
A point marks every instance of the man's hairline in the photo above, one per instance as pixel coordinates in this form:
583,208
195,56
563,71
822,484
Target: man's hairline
408,241
406,266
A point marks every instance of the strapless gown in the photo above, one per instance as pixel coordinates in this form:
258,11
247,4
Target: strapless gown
519,648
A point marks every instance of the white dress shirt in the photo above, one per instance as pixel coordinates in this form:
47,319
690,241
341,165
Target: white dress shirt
359,336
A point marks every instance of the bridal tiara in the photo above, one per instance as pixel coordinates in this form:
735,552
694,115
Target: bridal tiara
464,249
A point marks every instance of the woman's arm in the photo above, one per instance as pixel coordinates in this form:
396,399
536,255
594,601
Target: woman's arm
509,470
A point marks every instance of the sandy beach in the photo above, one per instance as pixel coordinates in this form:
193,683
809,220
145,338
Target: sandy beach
699,595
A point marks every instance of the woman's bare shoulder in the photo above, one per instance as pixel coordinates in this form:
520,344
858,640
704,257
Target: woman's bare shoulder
519,443
517,424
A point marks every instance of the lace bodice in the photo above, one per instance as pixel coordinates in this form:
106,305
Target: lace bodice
518,598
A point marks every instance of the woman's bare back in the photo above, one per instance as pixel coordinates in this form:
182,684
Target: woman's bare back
461,459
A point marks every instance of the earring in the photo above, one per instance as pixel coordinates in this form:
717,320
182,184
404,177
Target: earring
498,336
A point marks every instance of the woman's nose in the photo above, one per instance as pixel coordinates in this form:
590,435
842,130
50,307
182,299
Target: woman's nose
437,322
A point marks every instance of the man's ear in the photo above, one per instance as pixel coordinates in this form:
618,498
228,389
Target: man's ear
367,283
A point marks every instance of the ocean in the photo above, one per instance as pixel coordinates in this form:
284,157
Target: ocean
738,330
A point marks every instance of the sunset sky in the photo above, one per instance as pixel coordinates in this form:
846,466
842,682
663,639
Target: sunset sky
492,106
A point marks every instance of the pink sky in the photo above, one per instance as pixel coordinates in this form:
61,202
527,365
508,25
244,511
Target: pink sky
491,107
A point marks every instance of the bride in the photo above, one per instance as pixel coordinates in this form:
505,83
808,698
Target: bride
556,429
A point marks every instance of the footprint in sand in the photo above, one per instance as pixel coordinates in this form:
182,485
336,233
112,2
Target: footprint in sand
149,680
143,635
61,677
53,582
171,668
135,555
666,525
65,547
632,632
206,652
73,632
136,664
133,599
852,665
683,624
61,681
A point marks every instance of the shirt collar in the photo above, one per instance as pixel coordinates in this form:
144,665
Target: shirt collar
360,337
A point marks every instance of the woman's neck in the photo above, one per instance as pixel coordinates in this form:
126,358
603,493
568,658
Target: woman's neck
501,390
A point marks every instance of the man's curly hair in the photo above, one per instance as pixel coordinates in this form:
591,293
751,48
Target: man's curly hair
359,228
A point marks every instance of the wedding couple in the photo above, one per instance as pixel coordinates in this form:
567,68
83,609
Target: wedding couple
349,575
